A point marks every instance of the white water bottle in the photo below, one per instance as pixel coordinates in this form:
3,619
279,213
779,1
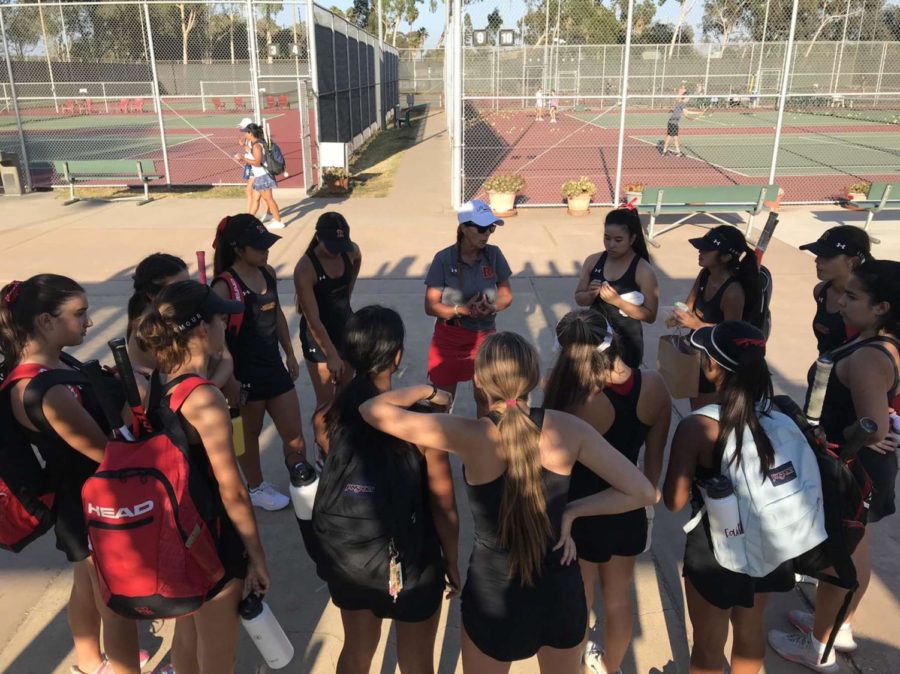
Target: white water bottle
262,626
304,483
725,527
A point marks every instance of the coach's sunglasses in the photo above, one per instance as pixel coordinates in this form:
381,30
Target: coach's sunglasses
488,229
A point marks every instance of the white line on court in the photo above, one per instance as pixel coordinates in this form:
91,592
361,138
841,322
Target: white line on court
718,166
589,122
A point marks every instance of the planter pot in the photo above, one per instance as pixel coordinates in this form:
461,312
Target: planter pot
579,205
856,196
633,196
338,185
503,204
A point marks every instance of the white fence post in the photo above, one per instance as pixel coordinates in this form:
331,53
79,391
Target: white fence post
156,97
784,90
624,100
23,160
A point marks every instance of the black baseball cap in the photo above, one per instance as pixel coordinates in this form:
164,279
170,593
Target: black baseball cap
725,239
728,341
210,305
332,230
836,241
245,230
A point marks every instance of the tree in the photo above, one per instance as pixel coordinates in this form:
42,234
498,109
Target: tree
892,21
684,10
721,18
494,23
467,30
334,9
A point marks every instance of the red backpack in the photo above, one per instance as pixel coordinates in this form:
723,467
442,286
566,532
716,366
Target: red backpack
152,520
26,495
235,292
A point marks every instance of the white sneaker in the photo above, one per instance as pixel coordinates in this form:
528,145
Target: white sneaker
265,496
803,578
276,224
843,642
592,658
799,648
267,218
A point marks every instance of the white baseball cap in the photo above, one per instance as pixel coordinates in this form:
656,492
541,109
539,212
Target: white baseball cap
244,123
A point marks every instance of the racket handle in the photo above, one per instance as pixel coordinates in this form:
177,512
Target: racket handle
816,399
91,370
768,231
201,266
126,373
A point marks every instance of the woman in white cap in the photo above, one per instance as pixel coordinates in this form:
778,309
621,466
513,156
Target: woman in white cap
466,286
263,182
244,144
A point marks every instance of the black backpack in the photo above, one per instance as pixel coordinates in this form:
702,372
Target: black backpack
370,507
846,491
26,493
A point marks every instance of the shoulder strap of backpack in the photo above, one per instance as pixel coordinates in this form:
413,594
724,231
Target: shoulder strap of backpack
184,388
235,292
33,398
537,416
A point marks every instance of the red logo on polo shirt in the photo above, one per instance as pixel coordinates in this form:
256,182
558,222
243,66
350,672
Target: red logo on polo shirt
487,272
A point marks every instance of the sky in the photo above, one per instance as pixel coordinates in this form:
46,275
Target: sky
511,10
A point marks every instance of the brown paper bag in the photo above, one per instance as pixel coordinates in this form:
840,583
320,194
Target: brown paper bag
678,362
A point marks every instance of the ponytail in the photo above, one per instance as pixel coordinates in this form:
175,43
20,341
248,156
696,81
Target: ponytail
747,274
741,392
224,255
21,302
157,330
508,369
587,352
150,278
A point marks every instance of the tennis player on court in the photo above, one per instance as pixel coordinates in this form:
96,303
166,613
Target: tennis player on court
678,110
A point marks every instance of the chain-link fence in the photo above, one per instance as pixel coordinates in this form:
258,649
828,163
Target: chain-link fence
705,93
422,76
101,84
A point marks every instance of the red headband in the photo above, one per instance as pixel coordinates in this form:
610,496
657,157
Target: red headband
630,205
13,293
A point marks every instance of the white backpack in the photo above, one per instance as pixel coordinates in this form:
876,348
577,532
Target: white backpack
782,515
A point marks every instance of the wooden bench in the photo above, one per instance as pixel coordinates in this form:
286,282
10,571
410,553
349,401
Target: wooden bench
91,170
881,197
691,201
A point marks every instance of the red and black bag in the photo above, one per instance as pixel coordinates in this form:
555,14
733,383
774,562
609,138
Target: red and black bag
26,495
152,520
236,293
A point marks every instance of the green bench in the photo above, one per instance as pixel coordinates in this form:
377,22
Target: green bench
881,197
403,118
120,170
691,201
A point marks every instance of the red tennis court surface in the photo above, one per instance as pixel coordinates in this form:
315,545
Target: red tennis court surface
819,155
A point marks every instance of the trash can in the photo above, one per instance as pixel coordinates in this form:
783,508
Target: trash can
11,173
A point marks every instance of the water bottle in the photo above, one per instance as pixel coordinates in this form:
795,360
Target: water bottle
262,626
722,507
304,483
237,431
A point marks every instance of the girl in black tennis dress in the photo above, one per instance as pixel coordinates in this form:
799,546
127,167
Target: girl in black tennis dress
523,596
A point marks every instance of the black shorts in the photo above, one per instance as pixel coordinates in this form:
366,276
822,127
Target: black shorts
599,538
265,383
672,129
413,605
721,587
232,554
882,470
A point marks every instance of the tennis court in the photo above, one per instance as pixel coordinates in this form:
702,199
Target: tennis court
200,144
823,149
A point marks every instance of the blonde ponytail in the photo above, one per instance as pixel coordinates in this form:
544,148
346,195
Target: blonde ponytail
508,369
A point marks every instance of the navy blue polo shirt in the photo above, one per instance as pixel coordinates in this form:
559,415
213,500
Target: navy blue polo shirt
482,276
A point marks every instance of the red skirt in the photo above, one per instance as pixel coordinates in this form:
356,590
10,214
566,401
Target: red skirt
451,356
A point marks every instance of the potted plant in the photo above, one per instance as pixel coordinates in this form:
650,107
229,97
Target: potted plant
337,179
578,195
502,191
633,193
859,190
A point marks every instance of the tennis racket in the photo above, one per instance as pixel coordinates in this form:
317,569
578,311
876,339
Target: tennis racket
201,266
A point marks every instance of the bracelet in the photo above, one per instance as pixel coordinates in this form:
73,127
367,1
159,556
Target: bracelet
434,392
456,313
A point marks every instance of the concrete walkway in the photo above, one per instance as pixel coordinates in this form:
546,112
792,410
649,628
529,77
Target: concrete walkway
98,244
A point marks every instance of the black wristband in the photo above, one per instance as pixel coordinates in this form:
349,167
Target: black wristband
434,392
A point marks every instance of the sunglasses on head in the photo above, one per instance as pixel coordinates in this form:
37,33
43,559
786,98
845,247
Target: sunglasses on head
487,229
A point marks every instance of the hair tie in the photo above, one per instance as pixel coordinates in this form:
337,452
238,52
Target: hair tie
631,205
13,293
219,229
512,402
607,340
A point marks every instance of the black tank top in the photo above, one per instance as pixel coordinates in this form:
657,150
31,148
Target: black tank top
838,410
710,311
484,501
629,330
332,298
256,345
828,327
627,434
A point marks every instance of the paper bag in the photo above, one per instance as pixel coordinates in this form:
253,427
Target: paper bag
678,362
